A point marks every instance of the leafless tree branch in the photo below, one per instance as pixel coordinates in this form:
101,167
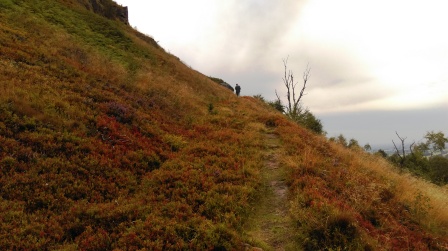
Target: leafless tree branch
410,147
278,97
403,155
293,107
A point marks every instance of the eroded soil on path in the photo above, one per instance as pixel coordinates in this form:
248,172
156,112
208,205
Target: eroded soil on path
270,228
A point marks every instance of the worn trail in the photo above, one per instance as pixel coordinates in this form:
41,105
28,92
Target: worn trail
270,227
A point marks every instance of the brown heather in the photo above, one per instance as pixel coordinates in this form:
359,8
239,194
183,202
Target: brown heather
107,142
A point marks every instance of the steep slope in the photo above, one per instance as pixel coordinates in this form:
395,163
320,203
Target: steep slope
107,142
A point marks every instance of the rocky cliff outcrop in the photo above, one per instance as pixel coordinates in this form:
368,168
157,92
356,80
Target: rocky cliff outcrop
222,82
107,8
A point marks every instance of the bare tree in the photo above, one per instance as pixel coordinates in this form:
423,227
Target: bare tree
293,108
402,156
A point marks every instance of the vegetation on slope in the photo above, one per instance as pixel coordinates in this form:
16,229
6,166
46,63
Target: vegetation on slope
346,199
108,142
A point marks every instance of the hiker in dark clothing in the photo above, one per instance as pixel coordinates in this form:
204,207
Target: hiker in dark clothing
237,89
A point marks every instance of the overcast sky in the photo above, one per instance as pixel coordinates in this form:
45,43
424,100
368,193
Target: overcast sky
377,66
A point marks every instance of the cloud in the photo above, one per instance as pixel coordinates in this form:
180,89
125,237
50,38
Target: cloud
249,34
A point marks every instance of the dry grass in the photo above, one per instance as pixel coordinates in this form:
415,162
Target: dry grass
414,192
378,207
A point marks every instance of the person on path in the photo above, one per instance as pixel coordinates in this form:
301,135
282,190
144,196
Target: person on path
237,89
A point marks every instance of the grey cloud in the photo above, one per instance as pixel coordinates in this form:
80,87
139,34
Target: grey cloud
255,28
338,77
346,94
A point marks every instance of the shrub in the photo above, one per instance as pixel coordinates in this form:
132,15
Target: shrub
438,168
175,142
7,163
122,113
94,240
338,233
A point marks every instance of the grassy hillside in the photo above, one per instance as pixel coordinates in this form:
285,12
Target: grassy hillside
107,142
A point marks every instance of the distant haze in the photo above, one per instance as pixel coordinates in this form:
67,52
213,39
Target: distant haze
378,127
377,66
